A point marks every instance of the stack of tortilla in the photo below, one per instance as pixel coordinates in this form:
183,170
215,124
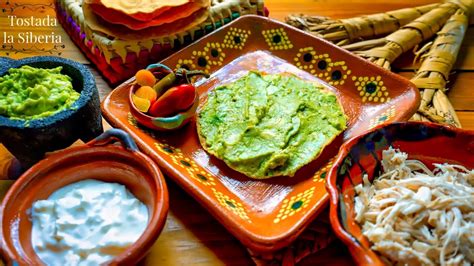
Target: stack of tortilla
111,34
132,19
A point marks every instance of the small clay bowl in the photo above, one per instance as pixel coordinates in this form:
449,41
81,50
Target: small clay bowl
427,142
96,160
163,123
29,141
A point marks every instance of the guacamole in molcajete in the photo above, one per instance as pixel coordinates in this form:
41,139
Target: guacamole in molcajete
31,93
269,125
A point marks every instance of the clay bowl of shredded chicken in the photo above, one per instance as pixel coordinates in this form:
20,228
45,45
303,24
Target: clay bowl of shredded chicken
402,194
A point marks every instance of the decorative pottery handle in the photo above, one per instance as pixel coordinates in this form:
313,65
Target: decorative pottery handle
159,70
113,135
159,66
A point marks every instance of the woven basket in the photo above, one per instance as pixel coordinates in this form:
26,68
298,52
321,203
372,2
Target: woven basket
117,59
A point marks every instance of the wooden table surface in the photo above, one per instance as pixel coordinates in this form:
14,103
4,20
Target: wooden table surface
192,236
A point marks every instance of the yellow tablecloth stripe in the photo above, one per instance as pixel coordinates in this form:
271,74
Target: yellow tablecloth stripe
5,161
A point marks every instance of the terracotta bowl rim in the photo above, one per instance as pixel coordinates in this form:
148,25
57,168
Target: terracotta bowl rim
358,252
157,215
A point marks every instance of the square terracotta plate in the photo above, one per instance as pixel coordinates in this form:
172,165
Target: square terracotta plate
266,215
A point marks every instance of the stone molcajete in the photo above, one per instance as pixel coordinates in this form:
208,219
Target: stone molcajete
29,140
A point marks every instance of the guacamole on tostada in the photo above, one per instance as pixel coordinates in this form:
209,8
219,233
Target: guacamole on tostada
31,93
269,125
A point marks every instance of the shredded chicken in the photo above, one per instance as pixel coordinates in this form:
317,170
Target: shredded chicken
415,216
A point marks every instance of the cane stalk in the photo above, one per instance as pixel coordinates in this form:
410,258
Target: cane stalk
407,37
433,74
345,31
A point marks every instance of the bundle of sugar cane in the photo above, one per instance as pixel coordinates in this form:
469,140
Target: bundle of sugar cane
345,31
432,76
385,50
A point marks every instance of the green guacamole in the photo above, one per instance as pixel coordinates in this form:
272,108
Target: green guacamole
269,125
32,93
